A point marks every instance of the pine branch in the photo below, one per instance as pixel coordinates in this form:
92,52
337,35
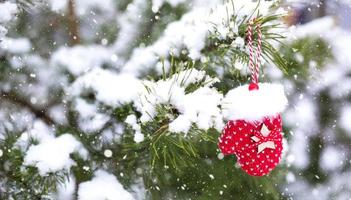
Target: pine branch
24,182
38,112
223,48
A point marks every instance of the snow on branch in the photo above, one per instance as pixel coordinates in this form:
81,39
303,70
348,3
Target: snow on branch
199,107
80,59
191,33
109,88
103,186
50,156
7,12
83,6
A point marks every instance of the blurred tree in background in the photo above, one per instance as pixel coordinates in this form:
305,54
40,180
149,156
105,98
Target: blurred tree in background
106,99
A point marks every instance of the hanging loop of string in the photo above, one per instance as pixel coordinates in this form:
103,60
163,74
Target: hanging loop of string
254,65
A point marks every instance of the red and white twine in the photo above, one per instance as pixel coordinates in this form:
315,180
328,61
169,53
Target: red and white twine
254,66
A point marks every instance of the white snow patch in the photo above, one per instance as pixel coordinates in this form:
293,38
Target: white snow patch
290,177
58,113
53,154
332,158
130,24
132,121
317,27
15,45
66,190
345,119
80,59
299,156
90,119
83,6
200,107
303,116
110,88
7,11
138,137
3,31
240,103
180,124
39,131
103,186
57,5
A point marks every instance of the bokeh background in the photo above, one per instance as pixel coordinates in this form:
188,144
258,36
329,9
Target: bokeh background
49,44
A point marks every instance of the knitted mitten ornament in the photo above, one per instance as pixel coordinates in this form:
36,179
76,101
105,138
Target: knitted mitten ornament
254,133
